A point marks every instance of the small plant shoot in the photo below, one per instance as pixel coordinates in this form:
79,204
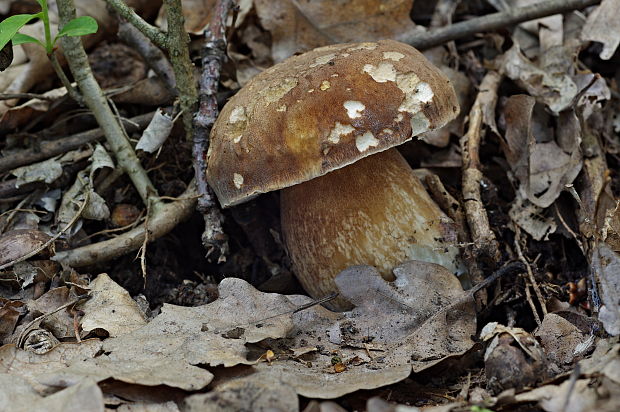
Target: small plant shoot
10,27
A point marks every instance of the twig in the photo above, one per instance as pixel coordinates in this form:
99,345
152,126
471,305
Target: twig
97,103
153,56
157,36
65,81
531,279
482,235
164,218
453,208
571,386
10,96
426,40
214,55
52,148
178,50
53,238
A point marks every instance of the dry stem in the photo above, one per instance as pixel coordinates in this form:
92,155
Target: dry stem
481,233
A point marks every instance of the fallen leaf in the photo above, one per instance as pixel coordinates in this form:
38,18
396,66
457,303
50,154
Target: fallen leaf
258,392
110,308
603,26
395,329
296,26
605,265
542,166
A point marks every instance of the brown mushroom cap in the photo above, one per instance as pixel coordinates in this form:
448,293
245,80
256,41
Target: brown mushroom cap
321,111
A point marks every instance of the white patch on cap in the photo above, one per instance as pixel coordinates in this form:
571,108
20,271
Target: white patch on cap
325,84
354,108
321,60
237,139
363,46
311,90
419,124
238,115
335,75
416,92
281,108
339,130
238,180
396,56
365,141
382,73
387,131
275,93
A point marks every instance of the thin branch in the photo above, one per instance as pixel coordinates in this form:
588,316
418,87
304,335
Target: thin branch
178,50
477,219
10,96
98,104
214,55
51,148
65,81
153,33
426,40
154,57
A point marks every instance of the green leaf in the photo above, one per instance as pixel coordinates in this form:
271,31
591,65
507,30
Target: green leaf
42,3
79,27
10,26
24,38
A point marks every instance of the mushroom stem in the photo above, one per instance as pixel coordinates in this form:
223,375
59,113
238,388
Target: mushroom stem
373,212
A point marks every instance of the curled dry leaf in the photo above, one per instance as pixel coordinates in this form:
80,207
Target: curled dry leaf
156,132
556,90
603,26
513,359
300,26
562,340
111,309
598,392
605,267
542,166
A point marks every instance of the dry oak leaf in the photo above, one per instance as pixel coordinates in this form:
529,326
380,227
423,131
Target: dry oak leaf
297,26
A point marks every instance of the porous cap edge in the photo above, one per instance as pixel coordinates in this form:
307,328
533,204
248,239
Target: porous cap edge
321,111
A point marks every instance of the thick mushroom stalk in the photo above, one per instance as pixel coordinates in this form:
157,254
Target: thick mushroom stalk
374,212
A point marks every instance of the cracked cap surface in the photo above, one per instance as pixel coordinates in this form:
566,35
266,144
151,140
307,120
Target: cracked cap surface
321,111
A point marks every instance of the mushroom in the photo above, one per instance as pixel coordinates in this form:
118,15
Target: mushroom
321,126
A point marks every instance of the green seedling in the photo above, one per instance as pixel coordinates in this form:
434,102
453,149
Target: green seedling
9,31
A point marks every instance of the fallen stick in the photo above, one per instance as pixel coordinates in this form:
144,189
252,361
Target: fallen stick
426,40
164,218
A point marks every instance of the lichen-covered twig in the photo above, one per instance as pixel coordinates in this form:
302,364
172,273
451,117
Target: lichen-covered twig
214,55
